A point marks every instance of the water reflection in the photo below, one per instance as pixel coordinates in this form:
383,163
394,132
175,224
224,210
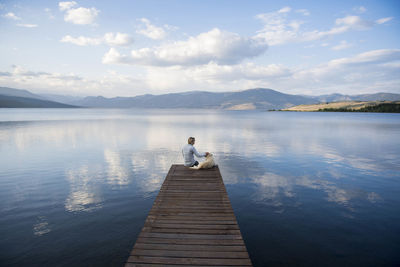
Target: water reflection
158,162
117,174
85,194
141,149
41,227
277,167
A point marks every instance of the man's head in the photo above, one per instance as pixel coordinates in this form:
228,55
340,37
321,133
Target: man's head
191,140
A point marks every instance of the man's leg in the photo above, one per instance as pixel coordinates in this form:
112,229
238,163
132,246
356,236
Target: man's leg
195,163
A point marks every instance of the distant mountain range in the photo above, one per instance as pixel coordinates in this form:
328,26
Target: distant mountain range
15,98
259,98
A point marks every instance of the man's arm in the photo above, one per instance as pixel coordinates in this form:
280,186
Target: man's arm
199,154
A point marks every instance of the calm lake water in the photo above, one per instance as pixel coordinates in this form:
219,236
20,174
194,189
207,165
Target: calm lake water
308,189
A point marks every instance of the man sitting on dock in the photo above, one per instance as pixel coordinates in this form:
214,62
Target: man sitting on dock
188,151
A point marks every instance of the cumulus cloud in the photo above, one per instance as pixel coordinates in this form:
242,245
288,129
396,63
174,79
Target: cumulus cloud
80,15
81,40
66,5
278,29
245,71
151,31
369,72
114,57
214,46
111,39
372,71
117,39
11,15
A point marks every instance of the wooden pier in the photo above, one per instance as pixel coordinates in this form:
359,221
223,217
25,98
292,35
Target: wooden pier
191,223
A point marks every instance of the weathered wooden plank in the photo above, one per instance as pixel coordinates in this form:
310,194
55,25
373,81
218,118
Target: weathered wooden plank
175,201
196,186
190,254
193,261
192,207
198,215
190,194
192,226
198,222
191,223
178,241
190,247
189,188
192,213
226,218
190,231
193,204
191,236
194,195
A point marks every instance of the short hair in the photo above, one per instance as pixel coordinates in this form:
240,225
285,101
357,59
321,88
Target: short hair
190,140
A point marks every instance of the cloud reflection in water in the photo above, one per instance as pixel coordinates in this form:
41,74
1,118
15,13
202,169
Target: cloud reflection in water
85,194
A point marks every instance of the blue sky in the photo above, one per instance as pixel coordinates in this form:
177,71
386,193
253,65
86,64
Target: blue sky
128,48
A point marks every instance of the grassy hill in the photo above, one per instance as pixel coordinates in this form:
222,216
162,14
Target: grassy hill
351,106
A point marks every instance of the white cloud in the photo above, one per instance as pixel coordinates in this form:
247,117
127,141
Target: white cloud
383,20
81,40
354,22
109,84
12,16
369,72
27,25
370,57
117,39
342,45
214,46
286,9
246,71
80,15
22,72
278,29
114,57
66,5
151,31
214,77
111,39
